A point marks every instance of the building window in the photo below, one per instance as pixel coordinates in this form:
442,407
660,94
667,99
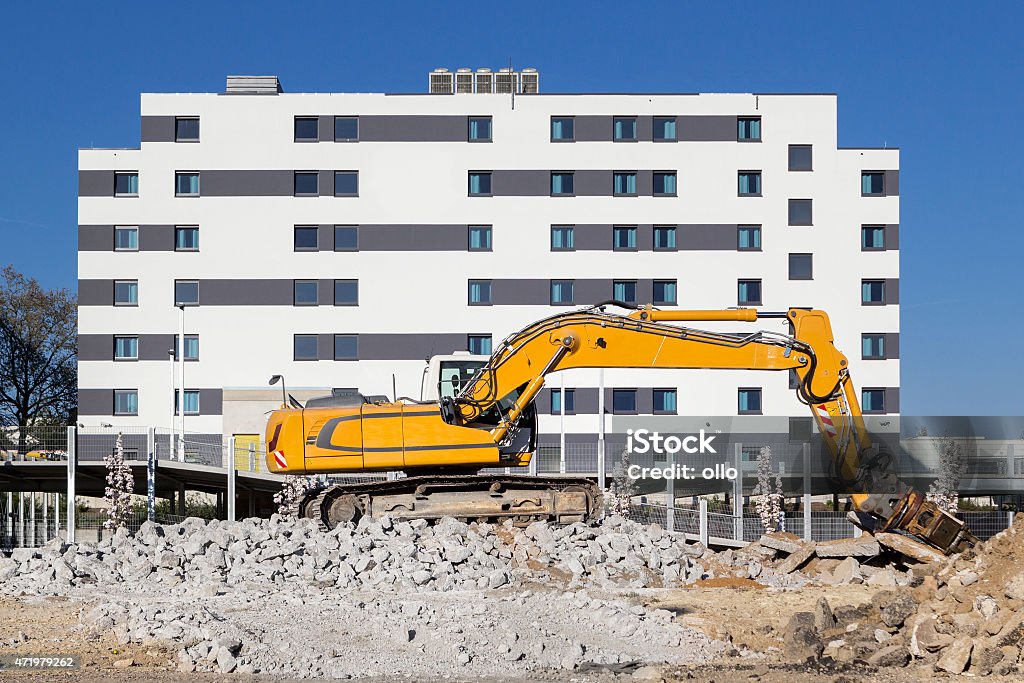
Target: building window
800,212
872,237
191,402
624,290
749,184
186,292
346,347
307,129
186,184
872,346
872,292
306,292
126,292
346,183
305,347
749,401
126,238
665,292
624,401
561,183
307,183
479,128
748,238
624,129
664,401
562,292
556,401
800,158
126,184
479,344
346,292
748,128
186,238
480,292
749,293
346,129
479,238
624,238
346,238
801,267
191,347
562,129
872,184
480,183
126,401
664,129
307,238
126,348
562,238
665,238
624,183
872,400
665,183
186,129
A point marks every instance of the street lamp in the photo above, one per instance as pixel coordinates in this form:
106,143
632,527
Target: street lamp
284,394
174,393
181,378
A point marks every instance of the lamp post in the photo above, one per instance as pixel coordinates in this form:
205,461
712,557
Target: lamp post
181,379
171,443
284,393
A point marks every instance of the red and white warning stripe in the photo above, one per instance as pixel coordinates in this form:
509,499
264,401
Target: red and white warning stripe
279,459
826,420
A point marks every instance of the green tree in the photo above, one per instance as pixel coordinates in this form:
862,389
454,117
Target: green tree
38,350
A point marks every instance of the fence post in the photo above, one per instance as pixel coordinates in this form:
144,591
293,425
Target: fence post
56,515
32,519
72,466
21,519
532,470
702,520
1009,518
602,471
46,516
151,474
670,486
737,495
232,473
9,514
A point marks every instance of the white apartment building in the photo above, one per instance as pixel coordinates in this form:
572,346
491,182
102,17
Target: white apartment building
339,239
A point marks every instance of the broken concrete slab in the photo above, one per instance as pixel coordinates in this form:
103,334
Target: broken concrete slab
955,657
782,541
848,570
865,546
796,559
909,547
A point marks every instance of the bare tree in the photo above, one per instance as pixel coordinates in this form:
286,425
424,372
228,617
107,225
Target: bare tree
768,492
944,491
120,484
293,489
38,349
622,489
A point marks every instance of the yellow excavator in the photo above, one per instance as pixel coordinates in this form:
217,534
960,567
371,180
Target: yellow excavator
442,445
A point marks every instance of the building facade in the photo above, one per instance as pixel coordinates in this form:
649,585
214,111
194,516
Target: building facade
340,239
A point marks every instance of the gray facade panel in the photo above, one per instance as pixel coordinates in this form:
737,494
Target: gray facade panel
211,401
645,291
645,401
95,183
892,183
158,129
520,292
645,128
325,292
521,183
325,184
719,237
156,238
585,401
95,237
592,237
707,128
156,346
645,183
413,237
590,291
95,292
95,347
892,290
892,399
325,346
593,183
248,183
325,238
892,237
95,401
645,237
381,128
325,129
409,346
892,344
593,128
246,292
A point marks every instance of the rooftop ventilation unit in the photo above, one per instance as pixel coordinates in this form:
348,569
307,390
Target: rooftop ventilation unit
441,82
531,82
464,81
484,81
506,81
253,85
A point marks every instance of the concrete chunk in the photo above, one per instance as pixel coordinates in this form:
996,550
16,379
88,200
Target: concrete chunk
865,546
782,541
796,559
909,547
954,659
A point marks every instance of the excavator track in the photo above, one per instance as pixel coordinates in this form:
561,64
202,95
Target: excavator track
491,498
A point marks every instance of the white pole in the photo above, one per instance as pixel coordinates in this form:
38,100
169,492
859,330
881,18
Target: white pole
72,462
172,443
46,517
561,422
32,519
10,513
181,378
56,515
601,467
232,473
21,519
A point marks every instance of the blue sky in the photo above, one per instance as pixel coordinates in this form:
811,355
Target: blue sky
943,83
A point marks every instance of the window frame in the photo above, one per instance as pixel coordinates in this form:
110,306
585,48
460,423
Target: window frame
789,211
740,229
178,402
881,192
572,237
572,292
636,185
469,343
346,118
355,351
187,304
551,128
665,302
352,281
664,174
346,173
570,401
128,174
305,174
487,229
295,129
636,290
355,230
670,229
739,119
181,228
490,183
879,336
295,347
136,290
654,400
759,392
126,228
181,174
180,119
628,117
863,232
863,403
314,229
757,174
490,292
625,391
176,347
125,392
126,359
297,283
810,258
873,280
490,128
572,182
654,128
635,230
760,291
789,158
